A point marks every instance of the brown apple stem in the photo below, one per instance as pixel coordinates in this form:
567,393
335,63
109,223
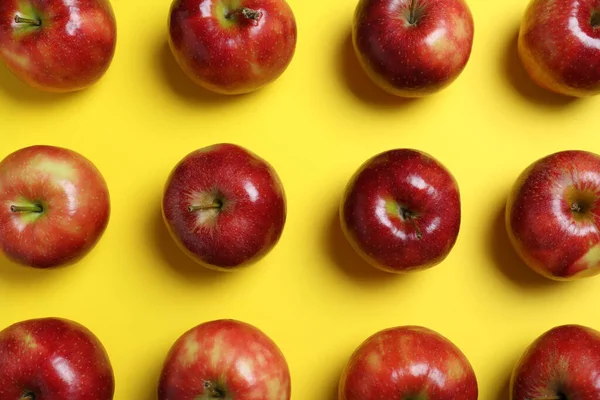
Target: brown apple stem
35,209
30,21
211,206
410,216
247,13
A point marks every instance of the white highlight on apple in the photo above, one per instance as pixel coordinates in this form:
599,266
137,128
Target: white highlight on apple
578,32
435,36
251,190
64,370
71,192
75,18
244,369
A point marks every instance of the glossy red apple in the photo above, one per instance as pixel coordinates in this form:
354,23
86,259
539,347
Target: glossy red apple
57,45
561,364
559,45
224,206
401,211
53,359
413,48
553,215
54,206
227,360
408,363
232,46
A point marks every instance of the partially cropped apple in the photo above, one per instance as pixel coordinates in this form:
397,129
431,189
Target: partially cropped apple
224,360
401,211
559,45
57,45
408,363
54,206
553,215
561,364
413,48
224,206
232,46
53,359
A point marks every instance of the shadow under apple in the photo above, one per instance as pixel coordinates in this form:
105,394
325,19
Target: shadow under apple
347,260
522,83
175,258
359,83
504,390
181,85
508,261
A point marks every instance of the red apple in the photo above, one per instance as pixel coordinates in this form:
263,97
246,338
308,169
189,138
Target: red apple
561,364
54,206
408,362
232,46
53,359
553,215
224,206
57,45
413,48
559,45
401,211
227,360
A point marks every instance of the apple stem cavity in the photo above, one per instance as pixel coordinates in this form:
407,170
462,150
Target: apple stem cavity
575,207
213,206
595,20
410,216
30,21
34,209
245,12
28,396
214,392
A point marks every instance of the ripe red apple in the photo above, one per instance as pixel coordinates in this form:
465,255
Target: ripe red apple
408,362
559,45
57,45
413,48
553,215
54,206
232,46
227,360
53,359
561,364
224,206
401,211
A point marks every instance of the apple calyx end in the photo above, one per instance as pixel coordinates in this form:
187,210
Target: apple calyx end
247,13
30,21
214,391
28,396
595,19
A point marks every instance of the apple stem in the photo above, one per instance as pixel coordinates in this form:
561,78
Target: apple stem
211,206
35,209
30,21
247,13
410,216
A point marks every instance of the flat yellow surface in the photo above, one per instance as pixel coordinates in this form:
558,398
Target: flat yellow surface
315,125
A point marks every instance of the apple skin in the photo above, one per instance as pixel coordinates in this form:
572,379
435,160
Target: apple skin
559,45
246,206
562,363
224,359
408,362
413,59
401,211
74,201
237,54
553,215
53,359
70,50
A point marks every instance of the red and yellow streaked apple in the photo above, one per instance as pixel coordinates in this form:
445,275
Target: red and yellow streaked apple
553,215
54,206
227,360
413,48
559,45
401,211
224,206
232,46
408,362
57,45
53,359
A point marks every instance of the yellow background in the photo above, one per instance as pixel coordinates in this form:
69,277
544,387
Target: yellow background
315,125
